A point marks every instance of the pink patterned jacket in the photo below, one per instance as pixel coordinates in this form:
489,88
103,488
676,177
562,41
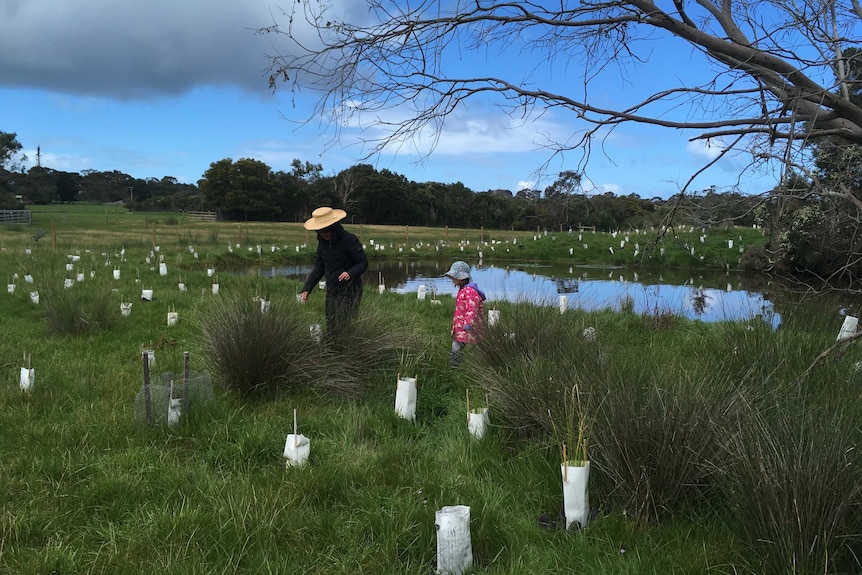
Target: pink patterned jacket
469,313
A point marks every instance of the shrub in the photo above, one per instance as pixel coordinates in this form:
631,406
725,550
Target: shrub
756,259
252,351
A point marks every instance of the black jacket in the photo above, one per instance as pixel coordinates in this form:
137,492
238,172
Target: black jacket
343,252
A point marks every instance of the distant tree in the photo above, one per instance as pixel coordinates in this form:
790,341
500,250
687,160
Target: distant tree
449,204
492,211
245,190
11,159
385,197
41,185
559,195
67,186
344,188
216,182
292,196
106,186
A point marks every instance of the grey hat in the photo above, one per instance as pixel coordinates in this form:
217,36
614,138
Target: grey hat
459,271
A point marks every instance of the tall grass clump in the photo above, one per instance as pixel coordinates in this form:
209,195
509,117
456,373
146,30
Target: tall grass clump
253,351
79,309
377,338
792,476
528,361
653,441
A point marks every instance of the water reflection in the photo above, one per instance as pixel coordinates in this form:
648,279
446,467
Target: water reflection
706,297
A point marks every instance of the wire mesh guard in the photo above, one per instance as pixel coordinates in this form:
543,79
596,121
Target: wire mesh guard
166,402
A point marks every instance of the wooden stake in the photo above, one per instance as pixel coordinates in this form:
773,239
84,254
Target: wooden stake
148,405
295,441
468,406
565,465
185,381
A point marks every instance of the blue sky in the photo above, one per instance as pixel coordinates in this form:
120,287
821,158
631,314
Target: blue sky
167,87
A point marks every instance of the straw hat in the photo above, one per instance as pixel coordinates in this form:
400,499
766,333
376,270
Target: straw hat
323,218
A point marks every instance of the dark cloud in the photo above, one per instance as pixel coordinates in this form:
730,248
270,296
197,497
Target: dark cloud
134,49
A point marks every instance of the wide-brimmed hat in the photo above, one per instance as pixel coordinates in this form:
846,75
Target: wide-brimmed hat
459,271
323,218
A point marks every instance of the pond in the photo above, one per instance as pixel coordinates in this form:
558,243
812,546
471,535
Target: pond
702,295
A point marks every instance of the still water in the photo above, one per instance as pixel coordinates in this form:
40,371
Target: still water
706,296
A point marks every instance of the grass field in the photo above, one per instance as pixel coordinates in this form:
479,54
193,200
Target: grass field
714,448
237,244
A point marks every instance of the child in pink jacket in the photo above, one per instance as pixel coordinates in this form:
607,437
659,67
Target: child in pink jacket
469,314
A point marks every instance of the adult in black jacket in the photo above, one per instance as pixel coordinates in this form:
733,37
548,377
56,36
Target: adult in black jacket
341,261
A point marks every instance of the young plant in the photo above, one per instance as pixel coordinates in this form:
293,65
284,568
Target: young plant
575,426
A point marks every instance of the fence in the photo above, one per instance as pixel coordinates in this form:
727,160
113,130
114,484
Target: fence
15,217
202,216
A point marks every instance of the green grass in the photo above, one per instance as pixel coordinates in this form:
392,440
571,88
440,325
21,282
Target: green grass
69,227
682,414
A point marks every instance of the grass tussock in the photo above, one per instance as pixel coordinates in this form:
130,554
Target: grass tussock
371,342
529,361
254,351
653,441
792,478
79,309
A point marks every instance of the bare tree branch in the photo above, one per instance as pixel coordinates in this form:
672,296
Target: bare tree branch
779,65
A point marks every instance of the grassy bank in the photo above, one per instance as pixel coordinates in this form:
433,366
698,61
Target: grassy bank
710,452
236,245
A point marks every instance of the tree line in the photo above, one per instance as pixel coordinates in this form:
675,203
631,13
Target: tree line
249,190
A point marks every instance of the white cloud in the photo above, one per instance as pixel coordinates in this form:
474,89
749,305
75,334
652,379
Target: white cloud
591,188
474,128
705,149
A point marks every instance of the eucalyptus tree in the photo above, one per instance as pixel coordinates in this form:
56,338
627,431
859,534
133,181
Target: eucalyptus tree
775,76
245,189
559,194
11,158
11,161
